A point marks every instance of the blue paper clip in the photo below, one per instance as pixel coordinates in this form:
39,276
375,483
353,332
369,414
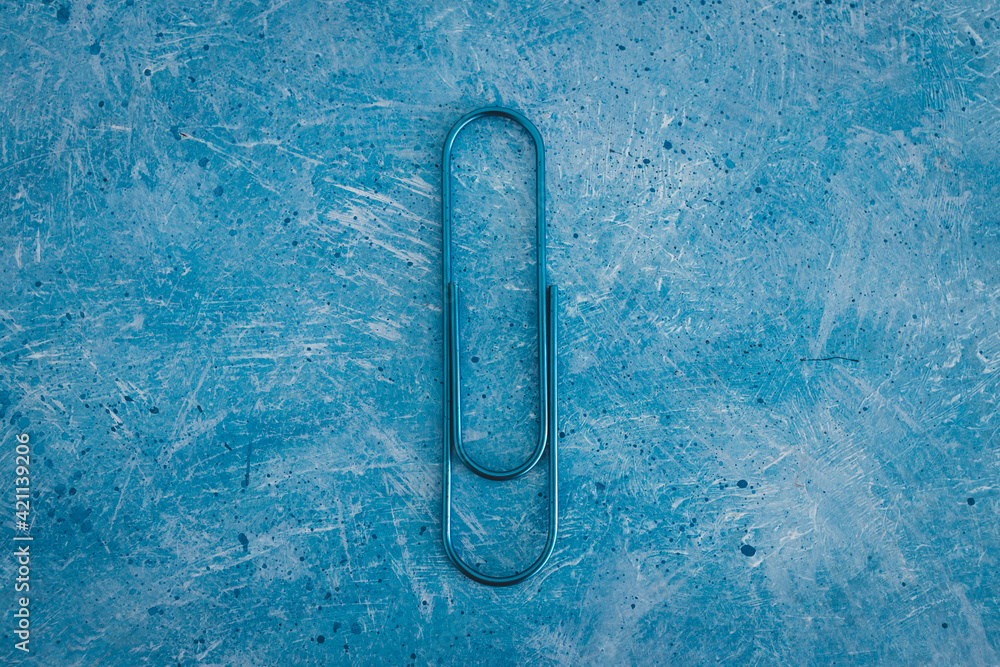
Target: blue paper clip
547,329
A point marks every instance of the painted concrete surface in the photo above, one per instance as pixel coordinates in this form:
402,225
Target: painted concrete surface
775,231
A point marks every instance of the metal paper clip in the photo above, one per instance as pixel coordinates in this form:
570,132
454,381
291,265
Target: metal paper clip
547,329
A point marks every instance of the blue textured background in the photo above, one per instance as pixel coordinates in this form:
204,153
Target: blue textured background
221,316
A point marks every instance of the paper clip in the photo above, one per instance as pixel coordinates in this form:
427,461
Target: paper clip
547,329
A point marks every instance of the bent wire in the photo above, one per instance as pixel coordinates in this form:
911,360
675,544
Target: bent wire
547,328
